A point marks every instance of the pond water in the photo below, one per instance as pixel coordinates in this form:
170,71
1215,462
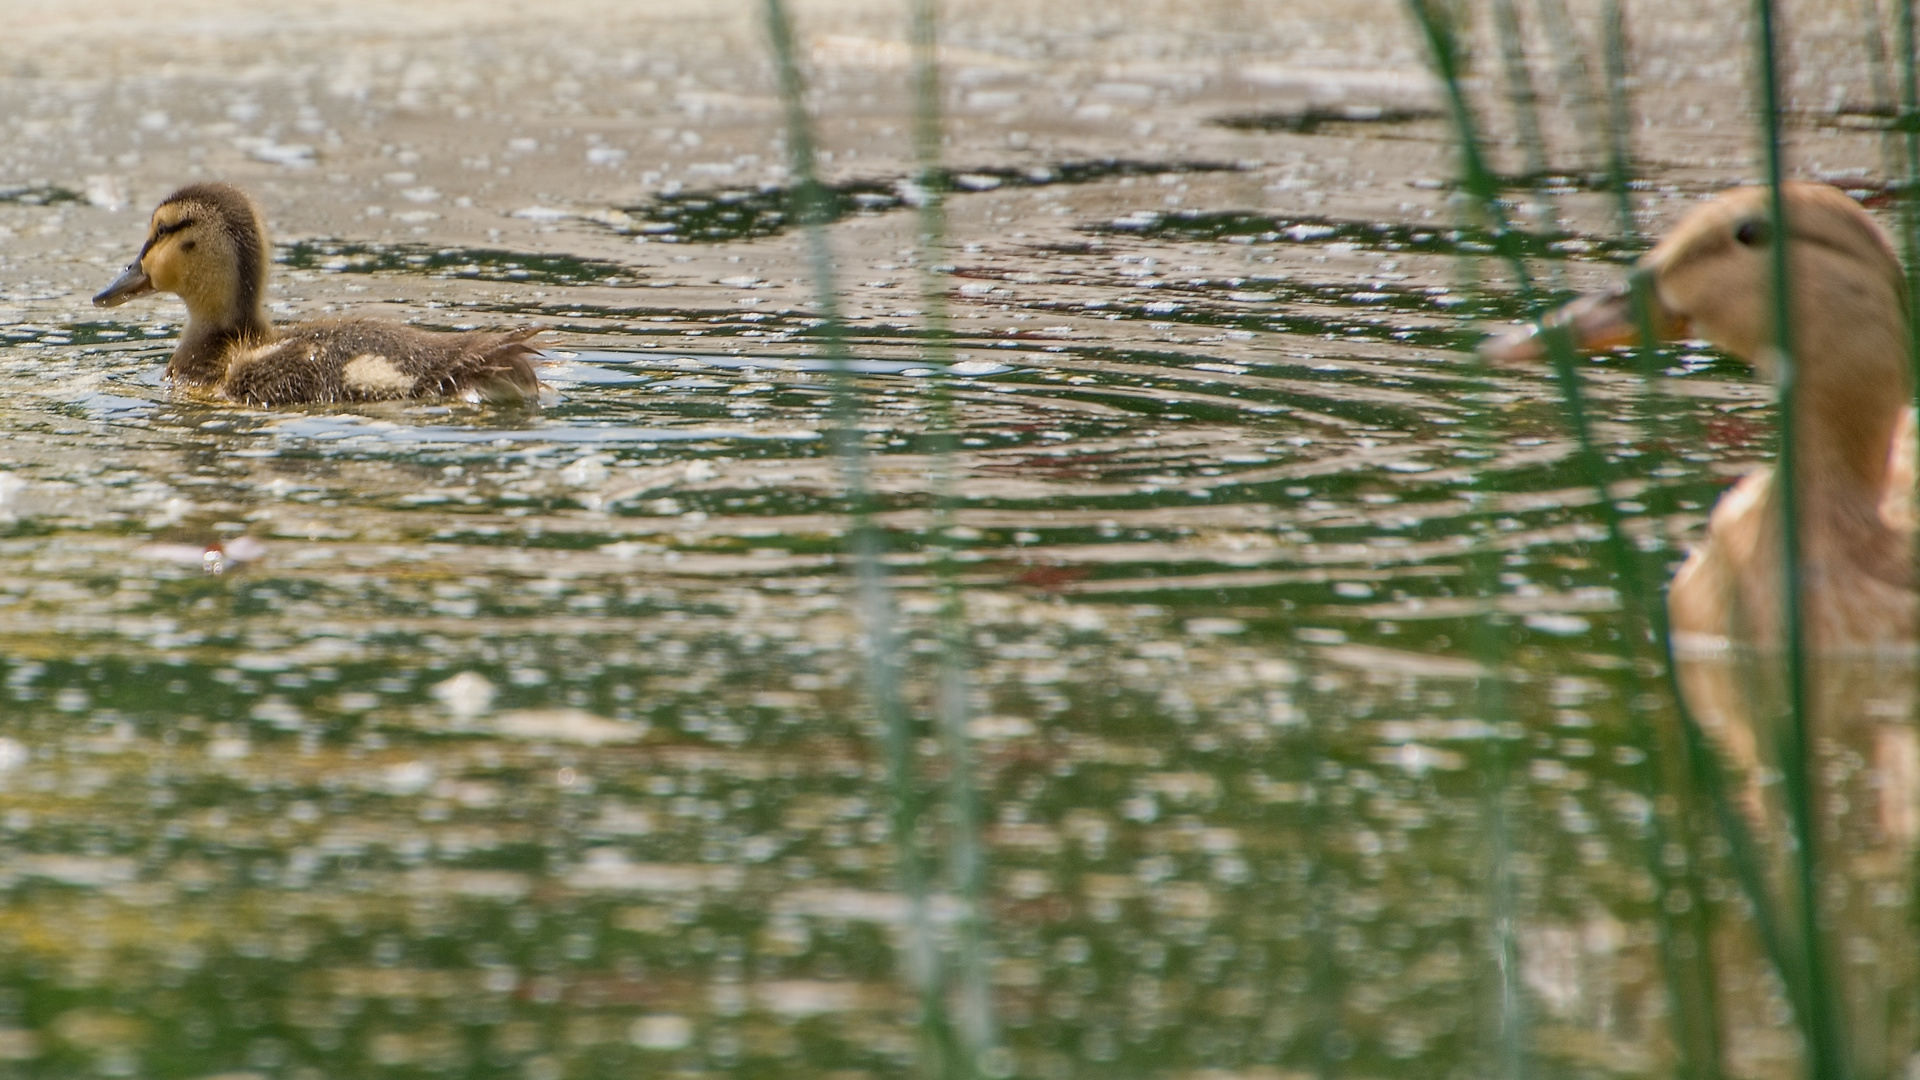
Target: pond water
444,740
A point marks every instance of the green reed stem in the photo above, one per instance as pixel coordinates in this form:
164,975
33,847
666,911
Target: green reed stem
1620,146
1683,942
966,860
1621,178
1520,91
1909,128
1542,208
1325,1010
1509,1038
1480,184
1508,1034
867,545
1690,765
1873,36
1571,69
1885,103
1686,937
1824,1050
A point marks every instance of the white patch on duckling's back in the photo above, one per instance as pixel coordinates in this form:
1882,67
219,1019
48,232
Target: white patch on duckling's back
375,375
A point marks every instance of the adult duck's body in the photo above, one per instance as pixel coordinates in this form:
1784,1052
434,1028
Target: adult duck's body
1711,278
206,244
1853,443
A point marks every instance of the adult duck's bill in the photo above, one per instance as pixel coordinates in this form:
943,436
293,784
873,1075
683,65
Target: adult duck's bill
132,282
1598,321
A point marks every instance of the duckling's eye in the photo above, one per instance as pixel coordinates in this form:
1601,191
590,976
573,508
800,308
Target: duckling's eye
169,230
1753,232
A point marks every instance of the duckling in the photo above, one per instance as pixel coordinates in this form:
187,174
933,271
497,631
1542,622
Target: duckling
1853,434
206,243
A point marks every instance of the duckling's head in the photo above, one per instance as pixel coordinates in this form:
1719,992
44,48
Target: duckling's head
206,245
1712,278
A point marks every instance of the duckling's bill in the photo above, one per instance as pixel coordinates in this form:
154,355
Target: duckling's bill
1597,321
132,282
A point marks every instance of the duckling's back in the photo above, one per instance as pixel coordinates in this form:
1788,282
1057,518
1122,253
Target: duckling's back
368,360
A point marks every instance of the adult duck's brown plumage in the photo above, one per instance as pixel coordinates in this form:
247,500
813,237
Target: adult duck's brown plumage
1711,278
207,245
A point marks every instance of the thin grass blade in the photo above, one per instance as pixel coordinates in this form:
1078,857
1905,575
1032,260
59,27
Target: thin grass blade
1506,1030
1908,127
867,545
1520,89
1480,184
1826,1055
1686,934
1572,72
965,856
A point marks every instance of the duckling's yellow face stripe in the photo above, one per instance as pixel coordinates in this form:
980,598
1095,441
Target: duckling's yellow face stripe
171,241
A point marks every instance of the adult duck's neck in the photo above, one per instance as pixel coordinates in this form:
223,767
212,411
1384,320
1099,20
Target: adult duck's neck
205,345
1847,413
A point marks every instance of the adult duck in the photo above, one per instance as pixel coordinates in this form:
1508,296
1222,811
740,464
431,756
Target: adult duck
1711,278
206,244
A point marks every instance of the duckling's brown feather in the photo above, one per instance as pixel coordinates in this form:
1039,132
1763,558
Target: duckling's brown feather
367,360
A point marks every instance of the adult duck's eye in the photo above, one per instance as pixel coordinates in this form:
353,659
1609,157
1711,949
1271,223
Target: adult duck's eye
1753,232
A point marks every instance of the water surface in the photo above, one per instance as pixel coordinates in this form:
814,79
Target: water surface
430,739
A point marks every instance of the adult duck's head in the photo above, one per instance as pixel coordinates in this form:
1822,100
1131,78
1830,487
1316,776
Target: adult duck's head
206,245
1712,278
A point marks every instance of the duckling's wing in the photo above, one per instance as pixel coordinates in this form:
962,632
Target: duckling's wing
367,360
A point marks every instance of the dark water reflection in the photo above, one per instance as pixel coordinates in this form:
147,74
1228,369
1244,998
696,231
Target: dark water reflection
533,744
